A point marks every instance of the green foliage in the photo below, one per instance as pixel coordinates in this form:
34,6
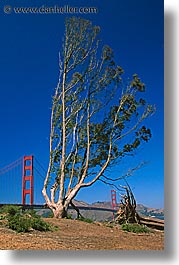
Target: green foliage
135,228
40,225
19,223
24,221
2,217
87,220
11,210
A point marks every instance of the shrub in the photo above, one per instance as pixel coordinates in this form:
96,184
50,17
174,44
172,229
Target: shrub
40,225
19,223
2,217
87,220
24,221
135,228
32,213
11,209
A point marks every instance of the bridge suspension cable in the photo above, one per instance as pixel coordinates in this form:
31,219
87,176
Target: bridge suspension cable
11,166
39,168
40,165
18,181
10,181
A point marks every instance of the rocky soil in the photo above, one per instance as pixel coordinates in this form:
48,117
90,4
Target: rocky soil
78,235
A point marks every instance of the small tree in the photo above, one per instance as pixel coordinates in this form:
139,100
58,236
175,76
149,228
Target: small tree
96,120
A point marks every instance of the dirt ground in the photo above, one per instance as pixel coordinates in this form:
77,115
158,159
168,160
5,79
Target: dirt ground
78,235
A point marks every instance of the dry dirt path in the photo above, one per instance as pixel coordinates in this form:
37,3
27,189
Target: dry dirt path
78,235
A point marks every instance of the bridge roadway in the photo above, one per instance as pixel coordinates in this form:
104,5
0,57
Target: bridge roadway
42,206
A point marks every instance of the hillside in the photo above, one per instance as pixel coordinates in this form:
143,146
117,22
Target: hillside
107,216
141,209
78,235
153,212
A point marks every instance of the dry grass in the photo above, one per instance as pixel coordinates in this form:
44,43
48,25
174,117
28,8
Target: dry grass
78,235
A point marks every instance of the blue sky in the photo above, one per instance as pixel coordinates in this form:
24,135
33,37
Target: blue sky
29,49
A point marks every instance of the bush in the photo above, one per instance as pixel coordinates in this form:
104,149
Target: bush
2,217
32,213
40,225
87,220
135,228
11,210
19,223
24,221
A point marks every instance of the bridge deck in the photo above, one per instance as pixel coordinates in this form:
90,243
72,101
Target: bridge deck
42,206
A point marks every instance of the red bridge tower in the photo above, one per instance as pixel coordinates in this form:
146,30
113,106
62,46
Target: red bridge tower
28,180
113,201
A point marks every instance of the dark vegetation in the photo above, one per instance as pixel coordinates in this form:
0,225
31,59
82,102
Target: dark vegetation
87,220
135,228
23,221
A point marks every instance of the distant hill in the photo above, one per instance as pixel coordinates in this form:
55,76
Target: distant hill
104,215
93,214
141,209
153,212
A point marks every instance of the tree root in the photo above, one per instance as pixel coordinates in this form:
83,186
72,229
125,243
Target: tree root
127,209
127,212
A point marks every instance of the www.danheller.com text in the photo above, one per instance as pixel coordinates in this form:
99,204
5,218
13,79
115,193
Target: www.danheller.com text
66,9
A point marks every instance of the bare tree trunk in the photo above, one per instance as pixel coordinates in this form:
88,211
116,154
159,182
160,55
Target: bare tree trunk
62,176
59,211
60,208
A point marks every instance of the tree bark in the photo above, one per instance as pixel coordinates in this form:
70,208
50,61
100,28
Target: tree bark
59,211
60,208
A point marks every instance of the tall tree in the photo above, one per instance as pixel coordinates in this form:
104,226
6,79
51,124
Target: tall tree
96,120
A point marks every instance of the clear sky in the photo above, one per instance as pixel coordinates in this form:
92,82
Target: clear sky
29,49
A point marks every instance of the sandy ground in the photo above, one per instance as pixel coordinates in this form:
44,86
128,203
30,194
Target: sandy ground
78,235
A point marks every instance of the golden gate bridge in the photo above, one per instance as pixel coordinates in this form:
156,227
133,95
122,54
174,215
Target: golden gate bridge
21,183
19,179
